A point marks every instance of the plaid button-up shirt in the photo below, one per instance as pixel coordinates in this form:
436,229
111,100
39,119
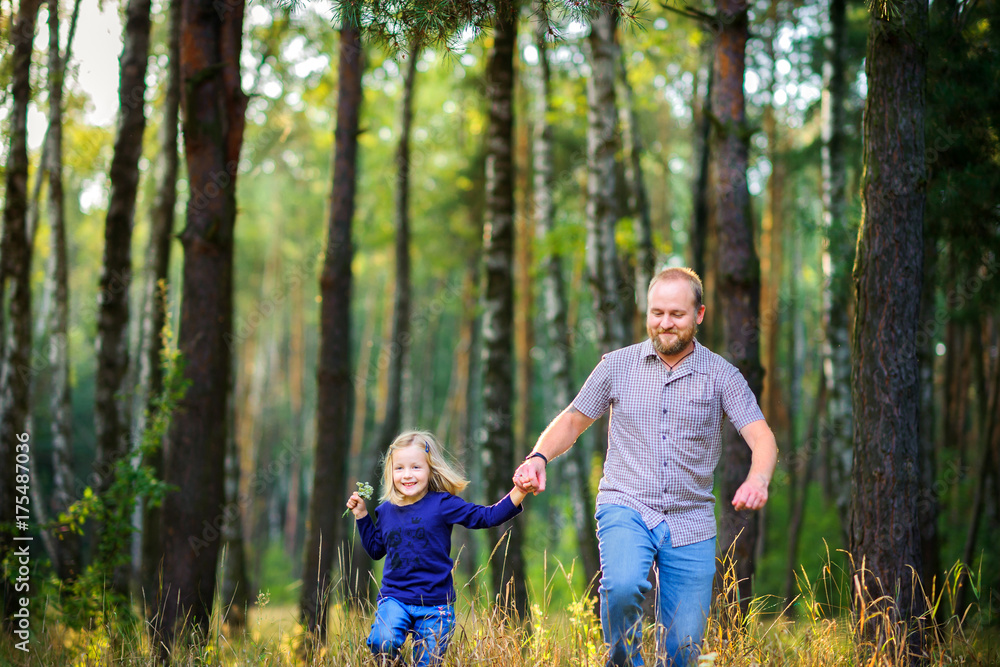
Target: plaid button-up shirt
665,433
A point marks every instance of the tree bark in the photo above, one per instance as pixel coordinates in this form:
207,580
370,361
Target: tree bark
701,149
67,556
15,288
638,206
194,456
738,273
399,344
154,299
498,308
334,400
610,302
234,565
885,529
838,257
576,467
111,431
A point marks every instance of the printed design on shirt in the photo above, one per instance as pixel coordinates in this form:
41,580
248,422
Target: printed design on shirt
415,537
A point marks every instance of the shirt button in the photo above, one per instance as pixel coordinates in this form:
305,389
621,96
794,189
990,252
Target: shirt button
664,464
664,412
664,437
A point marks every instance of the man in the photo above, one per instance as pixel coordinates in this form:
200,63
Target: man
667,397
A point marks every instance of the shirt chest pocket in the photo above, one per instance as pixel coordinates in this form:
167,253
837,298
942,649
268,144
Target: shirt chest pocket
703,407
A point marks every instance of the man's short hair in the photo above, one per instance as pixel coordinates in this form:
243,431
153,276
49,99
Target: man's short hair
680,273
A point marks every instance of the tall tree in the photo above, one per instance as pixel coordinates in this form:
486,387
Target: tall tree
214,107
638,202
738,271
702,130
15,285
603,186
554,311
333,375
67,558
885,530
498,304
838,255
399,344
110,421
154,298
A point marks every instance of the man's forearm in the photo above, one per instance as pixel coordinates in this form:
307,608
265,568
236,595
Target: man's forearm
764,452
561,433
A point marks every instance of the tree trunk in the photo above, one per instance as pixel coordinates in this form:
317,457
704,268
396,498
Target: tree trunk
399,343
738,273
885,529
67,556
772,252
638,203
15,290
804,463
498,308
234,566
154,299
576,467
214,108
111,431
702,143
838,257
602,185
334,401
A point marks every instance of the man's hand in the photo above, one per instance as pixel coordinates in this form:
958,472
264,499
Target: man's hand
530,476
357,506
752,494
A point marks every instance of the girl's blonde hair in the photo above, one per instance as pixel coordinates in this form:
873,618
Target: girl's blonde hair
444,475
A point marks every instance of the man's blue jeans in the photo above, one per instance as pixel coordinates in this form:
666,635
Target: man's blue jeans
431,628
685,574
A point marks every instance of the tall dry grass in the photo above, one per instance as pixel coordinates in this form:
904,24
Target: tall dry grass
824,632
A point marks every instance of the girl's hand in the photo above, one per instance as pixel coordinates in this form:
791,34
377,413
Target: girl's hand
517,496
356,506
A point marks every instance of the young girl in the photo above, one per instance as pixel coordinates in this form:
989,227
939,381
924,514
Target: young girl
414,530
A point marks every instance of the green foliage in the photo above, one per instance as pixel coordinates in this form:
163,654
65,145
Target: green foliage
133,482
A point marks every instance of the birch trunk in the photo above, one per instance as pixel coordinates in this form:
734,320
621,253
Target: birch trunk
111,429
498,308
576,467
15,287
67,556
602,185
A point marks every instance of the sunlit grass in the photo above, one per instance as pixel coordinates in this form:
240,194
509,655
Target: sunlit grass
821,635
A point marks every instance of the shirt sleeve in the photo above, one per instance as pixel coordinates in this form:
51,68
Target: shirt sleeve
738,402
371,537
594,398
470,515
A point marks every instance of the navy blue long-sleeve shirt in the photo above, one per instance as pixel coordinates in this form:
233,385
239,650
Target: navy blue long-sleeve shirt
417,540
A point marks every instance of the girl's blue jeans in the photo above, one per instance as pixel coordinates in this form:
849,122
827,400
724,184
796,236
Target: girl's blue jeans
431,628
628,549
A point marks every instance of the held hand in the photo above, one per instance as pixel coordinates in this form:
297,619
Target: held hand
752,495
530,476
356,506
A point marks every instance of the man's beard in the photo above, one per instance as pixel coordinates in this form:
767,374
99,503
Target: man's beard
684,337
